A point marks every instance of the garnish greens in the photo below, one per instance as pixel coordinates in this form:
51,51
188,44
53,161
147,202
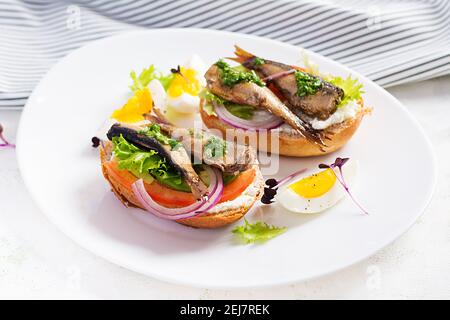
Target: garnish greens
257,232
215,148
352,88
258,61
146,164
154,131
147,75
306,84
209,109
231,76
209,96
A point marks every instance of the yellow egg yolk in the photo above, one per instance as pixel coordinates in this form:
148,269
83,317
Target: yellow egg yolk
315,185
186,82
135,108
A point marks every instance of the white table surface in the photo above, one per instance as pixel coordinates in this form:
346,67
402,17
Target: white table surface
38,261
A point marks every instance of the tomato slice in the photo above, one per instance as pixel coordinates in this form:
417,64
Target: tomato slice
173,198
235,188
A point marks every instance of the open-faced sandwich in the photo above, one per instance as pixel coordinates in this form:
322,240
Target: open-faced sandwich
311,114
186,175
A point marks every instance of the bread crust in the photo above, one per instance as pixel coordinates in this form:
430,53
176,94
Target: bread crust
290,144
207,221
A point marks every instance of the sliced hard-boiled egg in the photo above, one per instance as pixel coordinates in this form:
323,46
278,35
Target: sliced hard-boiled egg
196,63
183,92
316,190
135,108
185,103
159,95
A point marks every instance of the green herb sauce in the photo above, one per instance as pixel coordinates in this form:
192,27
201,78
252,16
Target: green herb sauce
257,61
215,148
154,131
231,76
306,84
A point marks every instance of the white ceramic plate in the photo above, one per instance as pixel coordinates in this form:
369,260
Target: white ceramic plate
62,172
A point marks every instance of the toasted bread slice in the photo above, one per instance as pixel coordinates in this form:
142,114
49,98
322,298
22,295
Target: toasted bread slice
232,210
292,144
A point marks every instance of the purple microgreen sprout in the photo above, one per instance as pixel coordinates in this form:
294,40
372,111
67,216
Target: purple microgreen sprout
339,163
178,71
95,142
272,186
3,142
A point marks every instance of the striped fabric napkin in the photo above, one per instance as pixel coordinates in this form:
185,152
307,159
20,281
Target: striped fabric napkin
391,42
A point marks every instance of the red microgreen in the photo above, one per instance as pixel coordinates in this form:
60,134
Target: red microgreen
3,142
272,186
339,163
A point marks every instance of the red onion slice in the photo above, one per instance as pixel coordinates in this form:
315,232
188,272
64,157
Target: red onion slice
215,192
269,121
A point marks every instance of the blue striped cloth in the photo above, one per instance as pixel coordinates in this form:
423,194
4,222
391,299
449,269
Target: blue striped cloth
391,42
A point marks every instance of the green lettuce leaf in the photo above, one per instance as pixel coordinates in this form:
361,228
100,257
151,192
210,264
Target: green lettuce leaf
147,75
352,88
209,96
148,165
257,232
209,109
241,111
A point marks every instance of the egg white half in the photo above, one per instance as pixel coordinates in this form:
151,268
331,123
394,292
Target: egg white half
296,203
158,93
185,103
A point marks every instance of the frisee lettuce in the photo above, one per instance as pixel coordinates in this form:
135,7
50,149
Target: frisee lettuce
257,232
209,96
146,164
147,75
352,88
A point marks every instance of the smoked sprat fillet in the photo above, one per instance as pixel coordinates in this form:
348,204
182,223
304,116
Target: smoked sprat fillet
176,157
320,105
